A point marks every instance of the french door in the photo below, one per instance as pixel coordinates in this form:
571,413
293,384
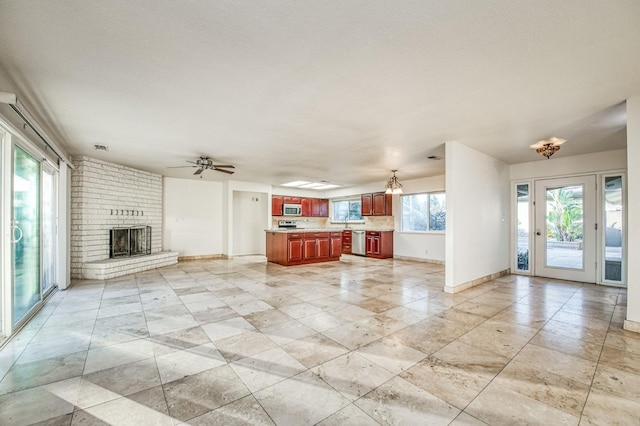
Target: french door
565,228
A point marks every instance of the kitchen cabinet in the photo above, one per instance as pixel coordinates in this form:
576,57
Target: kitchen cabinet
307,207
335,249
311,207
291,200
346,242
379,244
376,204
276,205
296,248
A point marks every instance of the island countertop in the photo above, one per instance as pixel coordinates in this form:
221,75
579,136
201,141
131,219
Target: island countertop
294,230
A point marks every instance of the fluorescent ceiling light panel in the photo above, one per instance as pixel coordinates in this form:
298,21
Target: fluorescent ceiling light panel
296,183
311,185
327,186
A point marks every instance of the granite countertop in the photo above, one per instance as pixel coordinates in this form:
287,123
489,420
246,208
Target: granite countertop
294,230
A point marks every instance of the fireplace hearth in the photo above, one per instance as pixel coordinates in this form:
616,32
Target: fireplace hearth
131,241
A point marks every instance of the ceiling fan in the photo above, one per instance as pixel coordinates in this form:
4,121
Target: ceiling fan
203,163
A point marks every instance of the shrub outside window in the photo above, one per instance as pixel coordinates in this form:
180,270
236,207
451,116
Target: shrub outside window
423,212
347,211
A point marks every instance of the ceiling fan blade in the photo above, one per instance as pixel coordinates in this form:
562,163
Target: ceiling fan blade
179,167
226,166
198,171
229,172
192,162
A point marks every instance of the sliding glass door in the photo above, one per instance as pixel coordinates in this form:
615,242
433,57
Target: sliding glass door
25,227
49,228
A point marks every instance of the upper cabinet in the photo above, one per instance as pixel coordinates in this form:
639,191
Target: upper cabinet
311,207
276,205
376,204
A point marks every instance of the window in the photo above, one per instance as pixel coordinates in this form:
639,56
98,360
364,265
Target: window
347,211
423,212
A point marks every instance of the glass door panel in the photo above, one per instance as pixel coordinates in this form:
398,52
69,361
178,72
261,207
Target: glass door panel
522,227
25,226
49,230
613,218
565,228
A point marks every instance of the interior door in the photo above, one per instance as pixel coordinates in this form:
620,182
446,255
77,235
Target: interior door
565,236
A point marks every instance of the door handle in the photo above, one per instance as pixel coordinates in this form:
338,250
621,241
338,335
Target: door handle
14,228
538,233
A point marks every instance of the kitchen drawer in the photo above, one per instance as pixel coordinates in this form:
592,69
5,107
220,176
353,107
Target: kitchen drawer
347,238
373,233
294,236
336,234
316,234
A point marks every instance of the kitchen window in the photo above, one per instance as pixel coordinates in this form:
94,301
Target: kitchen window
423,212
347,211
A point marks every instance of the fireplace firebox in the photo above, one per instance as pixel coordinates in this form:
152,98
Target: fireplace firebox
131,241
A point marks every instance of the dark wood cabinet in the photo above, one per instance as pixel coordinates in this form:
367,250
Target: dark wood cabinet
294,252
296,248
346,242
311,207
376,204
336,244
366,204
307,207
379,244
291,200
276,205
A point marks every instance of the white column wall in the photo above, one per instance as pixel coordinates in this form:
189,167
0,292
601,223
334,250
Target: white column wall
633,210
192,217
477,237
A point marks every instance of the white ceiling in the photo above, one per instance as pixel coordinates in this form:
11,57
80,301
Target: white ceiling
341,91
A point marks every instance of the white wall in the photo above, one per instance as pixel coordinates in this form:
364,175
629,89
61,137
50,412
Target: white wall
193,216
477,238
249,222
633,209
566,166
229,215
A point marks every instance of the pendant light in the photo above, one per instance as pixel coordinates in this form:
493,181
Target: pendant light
393,186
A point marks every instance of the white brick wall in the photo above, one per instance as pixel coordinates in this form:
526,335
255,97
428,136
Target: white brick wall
98,189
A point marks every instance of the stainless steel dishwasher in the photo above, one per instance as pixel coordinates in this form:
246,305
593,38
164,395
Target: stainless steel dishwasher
358,243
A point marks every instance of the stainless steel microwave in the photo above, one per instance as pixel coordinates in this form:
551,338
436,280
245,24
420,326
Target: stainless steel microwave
292,209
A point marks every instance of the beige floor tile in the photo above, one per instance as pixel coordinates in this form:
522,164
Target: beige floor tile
267,368
623,360
617,382
301,400
352,375
623,343
559,363
352,336
179,364
497,405
32,406
552,389
399,402
314,350
576,347
349,415
391,355
242,412
465,419
605,409
125,412
288,332
243,345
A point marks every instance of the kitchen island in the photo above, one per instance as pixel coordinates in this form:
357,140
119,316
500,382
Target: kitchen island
301,246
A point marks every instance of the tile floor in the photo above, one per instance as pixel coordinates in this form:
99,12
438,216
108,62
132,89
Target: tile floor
356,342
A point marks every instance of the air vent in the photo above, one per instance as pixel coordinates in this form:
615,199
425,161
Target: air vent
101,148
434,157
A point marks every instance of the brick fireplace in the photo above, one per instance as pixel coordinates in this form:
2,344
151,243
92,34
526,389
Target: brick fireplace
107,196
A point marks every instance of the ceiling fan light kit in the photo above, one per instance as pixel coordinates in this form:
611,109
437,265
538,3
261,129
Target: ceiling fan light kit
203,163
548,147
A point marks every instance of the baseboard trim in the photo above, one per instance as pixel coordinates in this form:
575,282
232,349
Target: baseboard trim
473,283
200,257
419,259
633,326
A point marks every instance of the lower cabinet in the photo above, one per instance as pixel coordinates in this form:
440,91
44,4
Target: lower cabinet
303,247
346,242
379,244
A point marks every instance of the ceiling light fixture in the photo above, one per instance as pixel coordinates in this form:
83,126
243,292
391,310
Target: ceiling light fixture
548,147
393,186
